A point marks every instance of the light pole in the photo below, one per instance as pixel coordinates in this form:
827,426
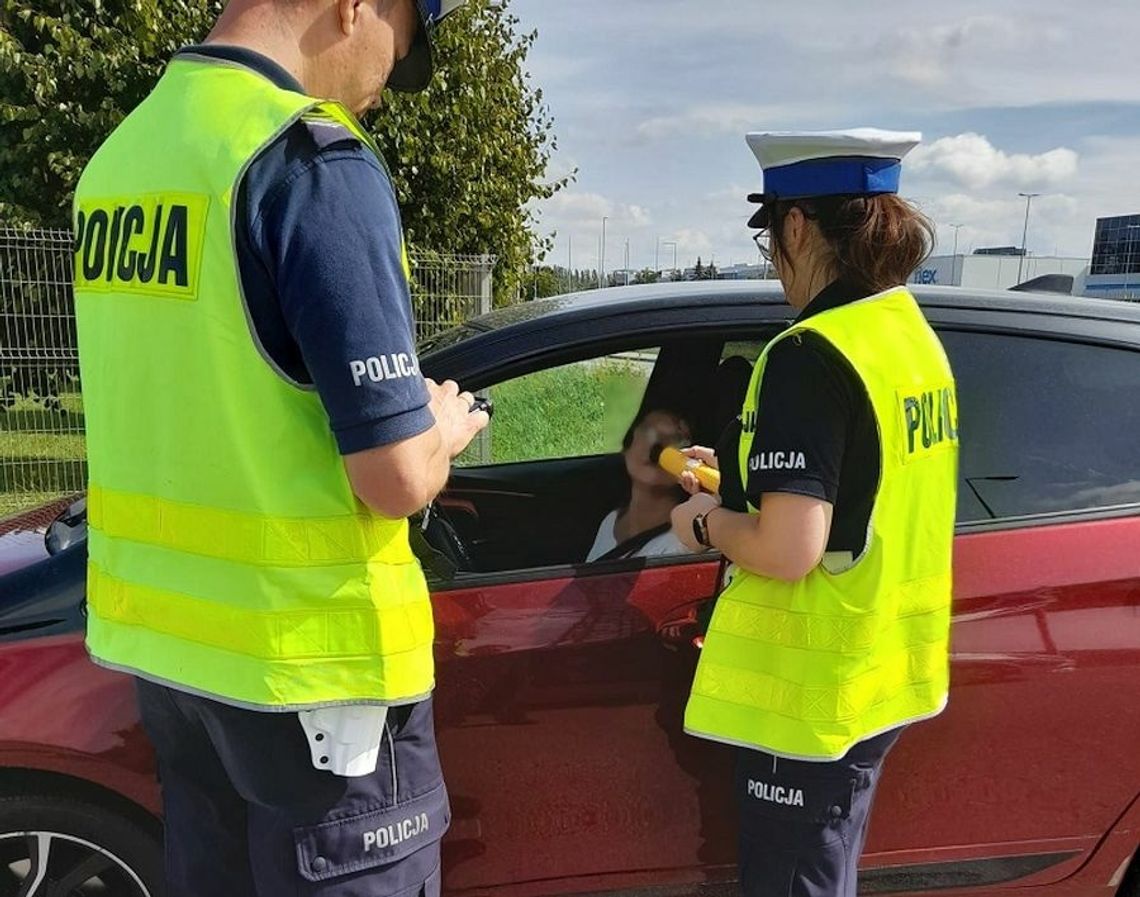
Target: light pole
674,245
657,256
954,263
627,262
602,260
569,263
1029,197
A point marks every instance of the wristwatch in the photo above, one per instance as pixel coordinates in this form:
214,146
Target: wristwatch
701,528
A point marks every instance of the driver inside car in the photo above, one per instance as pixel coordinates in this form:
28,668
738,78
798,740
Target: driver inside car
639,527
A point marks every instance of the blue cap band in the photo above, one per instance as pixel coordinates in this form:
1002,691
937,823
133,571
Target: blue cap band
852,175
437,10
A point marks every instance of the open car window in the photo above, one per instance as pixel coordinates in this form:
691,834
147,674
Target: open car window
568,411
550,470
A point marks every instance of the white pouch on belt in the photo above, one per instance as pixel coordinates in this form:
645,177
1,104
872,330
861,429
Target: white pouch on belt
345,740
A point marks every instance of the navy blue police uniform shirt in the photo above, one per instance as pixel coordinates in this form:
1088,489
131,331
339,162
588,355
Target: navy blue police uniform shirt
815,432
319,245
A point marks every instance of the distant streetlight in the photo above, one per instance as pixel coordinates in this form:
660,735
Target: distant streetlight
674,245
602,259
1029,197
627,262
954,263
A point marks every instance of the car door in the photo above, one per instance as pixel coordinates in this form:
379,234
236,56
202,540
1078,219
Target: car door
1036,757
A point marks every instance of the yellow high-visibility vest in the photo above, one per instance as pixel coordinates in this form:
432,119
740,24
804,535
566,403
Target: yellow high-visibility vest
229,556
808,669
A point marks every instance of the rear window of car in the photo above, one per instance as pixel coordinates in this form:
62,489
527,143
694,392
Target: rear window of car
1047,426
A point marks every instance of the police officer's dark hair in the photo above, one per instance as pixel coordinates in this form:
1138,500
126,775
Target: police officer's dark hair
876,242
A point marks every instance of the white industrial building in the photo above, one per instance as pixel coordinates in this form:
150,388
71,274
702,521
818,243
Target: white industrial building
996,272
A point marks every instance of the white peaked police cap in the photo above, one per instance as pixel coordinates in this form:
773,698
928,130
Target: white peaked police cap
805,164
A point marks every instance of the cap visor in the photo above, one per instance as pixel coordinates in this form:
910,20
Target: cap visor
413,73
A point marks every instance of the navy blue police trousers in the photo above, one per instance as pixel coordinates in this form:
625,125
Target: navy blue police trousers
803,824
247,815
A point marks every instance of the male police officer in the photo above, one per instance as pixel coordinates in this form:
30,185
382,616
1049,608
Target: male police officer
244,322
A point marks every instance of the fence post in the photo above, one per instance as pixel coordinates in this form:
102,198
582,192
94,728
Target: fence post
486,298
486,282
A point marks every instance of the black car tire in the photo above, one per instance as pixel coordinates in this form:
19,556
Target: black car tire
83,837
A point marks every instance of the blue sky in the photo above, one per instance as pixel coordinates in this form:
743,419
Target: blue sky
651,102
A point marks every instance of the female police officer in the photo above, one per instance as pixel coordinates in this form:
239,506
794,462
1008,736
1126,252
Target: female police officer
836,512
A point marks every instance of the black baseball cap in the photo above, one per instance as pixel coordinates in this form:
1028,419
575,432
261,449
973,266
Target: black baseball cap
413,73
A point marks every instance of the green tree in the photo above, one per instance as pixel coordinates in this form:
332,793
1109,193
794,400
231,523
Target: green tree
468,155
542,282
699,270
647,275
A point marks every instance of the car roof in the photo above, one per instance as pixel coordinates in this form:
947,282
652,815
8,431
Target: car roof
632,298
742,300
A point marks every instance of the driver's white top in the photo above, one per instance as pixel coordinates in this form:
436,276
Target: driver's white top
666,543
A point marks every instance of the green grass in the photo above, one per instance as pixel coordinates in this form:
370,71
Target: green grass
42,457
15,502
578,409
20,445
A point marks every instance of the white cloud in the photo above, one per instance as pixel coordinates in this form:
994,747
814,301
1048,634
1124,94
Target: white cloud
936,55
713,120
998,221
975,163
693,242
654,117
583,209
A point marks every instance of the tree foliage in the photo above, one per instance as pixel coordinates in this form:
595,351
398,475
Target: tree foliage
544,281
468,155
704,272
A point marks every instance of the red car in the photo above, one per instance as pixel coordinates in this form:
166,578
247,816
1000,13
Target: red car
562,684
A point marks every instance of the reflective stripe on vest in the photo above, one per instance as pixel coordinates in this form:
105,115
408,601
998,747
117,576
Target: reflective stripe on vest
248,538
808,669
228,553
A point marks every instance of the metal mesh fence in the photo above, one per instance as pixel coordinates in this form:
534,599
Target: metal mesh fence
449,289
42,452
41,411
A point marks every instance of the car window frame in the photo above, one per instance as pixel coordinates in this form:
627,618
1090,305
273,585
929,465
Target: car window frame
772,319
730,331
1046,518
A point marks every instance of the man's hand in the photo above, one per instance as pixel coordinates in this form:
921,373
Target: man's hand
399,479
457,423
